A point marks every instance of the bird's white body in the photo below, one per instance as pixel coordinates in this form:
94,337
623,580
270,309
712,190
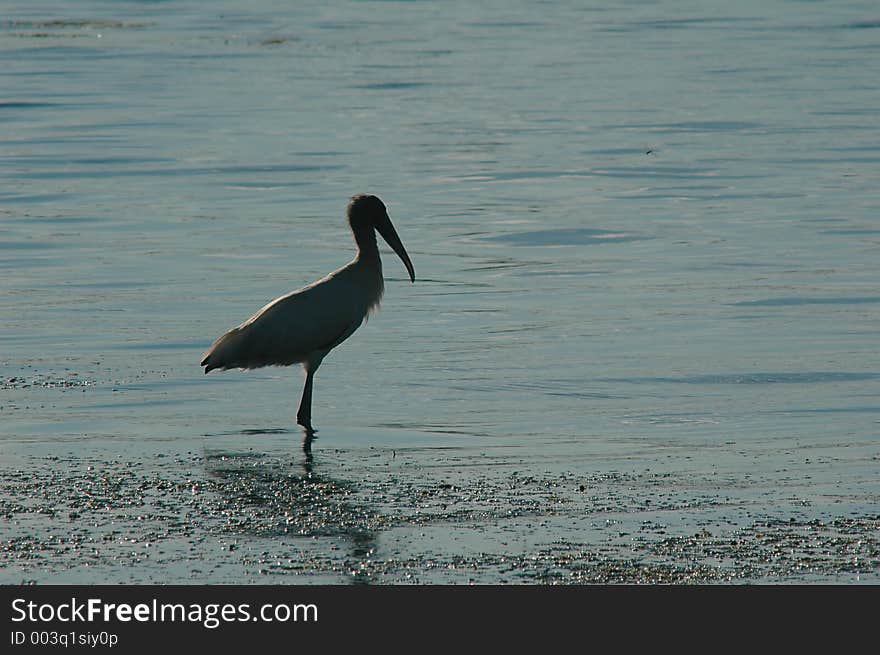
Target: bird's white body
304,325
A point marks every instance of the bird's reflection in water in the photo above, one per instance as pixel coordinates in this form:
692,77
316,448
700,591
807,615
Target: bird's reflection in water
308,459
363,541
268,495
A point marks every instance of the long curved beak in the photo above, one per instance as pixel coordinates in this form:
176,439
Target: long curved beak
386,229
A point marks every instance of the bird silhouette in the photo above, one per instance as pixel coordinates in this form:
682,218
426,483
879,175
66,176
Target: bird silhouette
301,327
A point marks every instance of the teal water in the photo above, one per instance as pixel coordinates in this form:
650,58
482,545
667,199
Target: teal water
635,226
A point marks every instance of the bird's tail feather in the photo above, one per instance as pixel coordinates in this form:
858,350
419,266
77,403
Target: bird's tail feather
222,353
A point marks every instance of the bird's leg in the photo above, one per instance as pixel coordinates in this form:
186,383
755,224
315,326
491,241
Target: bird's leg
304,415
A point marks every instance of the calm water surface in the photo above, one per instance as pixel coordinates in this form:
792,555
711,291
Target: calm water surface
645,232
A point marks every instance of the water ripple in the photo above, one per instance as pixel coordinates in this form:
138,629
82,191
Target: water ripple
566,237
794,301
806,377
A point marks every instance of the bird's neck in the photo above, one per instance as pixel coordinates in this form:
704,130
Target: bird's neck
365,238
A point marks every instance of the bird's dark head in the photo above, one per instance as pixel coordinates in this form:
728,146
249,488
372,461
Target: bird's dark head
366,213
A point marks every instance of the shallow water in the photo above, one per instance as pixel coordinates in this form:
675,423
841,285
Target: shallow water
646,242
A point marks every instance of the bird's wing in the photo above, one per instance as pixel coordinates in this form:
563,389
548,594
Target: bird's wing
291,328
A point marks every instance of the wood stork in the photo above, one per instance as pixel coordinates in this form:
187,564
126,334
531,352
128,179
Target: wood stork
304,325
